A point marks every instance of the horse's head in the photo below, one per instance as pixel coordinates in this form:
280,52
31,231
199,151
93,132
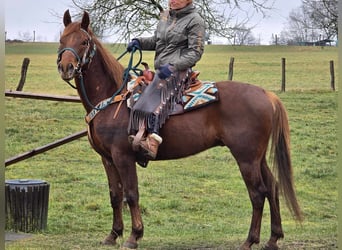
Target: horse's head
76,47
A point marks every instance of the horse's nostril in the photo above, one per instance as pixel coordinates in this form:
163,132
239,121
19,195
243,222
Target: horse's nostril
59,67
68,69
71,67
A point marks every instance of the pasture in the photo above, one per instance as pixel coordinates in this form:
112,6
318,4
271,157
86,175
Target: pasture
198,202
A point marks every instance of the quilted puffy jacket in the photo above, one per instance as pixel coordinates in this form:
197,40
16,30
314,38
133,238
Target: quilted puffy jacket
178,39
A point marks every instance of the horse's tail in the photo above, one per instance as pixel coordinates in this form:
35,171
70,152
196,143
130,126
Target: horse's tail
280,150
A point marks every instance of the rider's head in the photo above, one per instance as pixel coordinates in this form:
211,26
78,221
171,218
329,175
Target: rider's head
179,4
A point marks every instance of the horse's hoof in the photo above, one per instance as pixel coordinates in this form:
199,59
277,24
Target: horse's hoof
270,247
130,245
243,247
109,241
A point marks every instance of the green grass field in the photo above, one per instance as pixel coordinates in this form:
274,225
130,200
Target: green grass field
198,202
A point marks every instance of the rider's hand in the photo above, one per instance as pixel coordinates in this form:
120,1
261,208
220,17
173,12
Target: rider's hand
166,71
133,44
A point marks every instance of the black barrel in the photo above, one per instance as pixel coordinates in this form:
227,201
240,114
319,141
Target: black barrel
26,205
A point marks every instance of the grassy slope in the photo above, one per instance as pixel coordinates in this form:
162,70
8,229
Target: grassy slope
189,203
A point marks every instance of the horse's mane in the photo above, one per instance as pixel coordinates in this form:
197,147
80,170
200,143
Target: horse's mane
112,66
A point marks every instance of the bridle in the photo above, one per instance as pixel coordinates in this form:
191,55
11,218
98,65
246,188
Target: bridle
80,61
86,60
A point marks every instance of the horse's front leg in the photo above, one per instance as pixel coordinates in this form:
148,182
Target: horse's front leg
116,198
137,224
128,173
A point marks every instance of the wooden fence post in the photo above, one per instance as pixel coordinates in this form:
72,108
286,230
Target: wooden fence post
332,75
231,69
283,64
23,74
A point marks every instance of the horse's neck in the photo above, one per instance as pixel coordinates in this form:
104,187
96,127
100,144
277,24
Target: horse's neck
97,83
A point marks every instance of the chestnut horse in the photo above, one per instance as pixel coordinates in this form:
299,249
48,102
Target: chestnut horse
245,119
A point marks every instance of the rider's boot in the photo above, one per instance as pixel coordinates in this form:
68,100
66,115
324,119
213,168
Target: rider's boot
150,145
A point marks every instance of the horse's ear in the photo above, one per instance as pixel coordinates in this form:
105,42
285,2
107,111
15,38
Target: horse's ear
66,18
85,21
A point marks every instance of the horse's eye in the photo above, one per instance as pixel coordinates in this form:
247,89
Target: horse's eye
85,43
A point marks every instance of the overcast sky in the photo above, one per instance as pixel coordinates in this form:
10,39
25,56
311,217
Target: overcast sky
37,16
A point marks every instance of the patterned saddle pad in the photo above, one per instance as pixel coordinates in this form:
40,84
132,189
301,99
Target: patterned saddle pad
202,95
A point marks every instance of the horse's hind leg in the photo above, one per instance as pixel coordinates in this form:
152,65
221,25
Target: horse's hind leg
273,199
116,198
261,184
251,173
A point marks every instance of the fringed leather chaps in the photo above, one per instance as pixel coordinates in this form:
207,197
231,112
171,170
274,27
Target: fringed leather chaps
157,102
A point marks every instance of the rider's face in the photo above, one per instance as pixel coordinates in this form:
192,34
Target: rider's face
178,4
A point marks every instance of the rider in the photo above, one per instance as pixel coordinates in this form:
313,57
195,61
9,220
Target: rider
178,43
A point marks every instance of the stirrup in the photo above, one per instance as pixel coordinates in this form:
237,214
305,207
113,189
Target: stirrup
131,139
135,140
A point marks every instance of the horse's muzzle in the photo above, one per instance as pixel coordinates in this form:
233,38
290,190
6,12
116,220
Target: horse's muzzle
67,71
67,64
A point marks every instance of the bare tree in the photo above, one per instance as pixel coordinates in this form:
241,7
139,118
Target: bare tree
243,36
130,18
300,26
323,15
25,36
314,20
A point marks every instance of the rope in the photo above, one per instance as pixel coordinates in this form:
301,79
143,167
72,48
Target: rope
125,80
